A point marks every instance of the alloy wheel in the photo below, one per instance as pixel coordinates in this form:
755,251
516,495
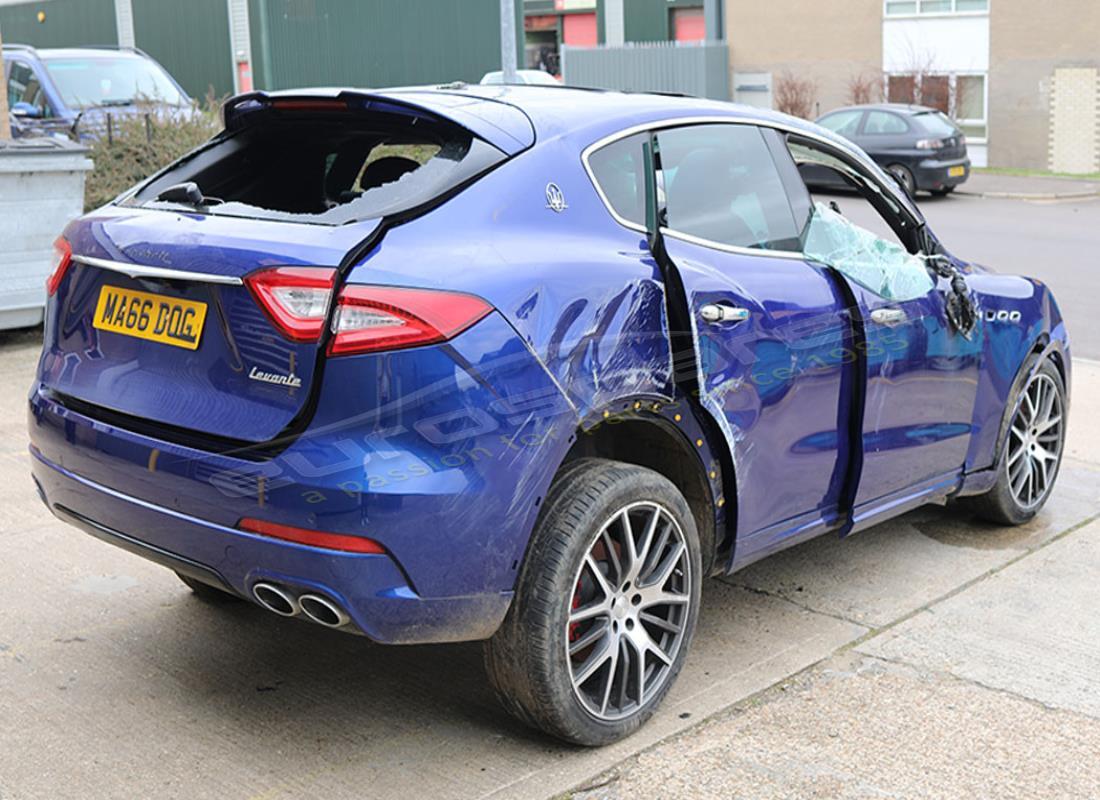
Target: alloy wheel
1035,442
629,610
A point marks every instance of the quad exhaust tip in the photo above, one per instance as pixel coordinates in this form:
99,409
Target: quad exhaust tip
276,600
317,608
323,611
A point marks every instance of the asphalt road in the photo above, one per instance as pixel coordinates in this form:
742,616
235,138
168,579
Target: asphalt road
1056,241
931,656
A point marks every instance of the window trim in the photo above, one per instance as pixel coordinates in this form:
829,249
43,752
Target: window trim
847,150
918,14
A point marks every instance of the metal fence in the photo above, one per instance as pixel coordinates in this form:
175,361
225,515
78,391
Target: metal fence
699,69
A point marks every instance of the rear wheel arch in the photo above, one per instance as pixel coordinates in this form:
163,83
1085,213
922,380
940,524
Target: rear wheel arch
674,445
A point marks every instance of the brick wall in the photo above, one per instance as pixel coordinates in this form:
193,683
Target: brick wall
1075,120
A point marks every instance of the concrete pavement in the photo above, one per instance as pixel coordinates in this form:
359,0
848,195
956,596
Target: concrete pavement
979,675
1028,187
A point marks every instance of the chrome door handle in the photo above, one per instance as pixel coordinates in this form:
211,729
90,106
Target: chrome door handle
722,312
888,316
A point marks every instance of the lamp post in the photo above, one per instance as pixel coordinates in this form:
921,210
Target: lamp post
508,41
5,122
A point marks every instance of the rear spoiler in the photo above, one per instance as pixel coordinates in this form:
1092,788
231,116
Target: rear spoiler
501,124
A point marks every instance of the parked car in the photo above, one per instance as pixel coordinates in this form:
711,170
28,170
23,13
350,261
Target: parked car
921,147
533,77
50,91
524,369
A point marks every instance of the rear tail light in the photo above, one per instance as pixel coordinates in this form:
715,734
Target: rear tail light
62,258
372,318
931,144
296,299
312,538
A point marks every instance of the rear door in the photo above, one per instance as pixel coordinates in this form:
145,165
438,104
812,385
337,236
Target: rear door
772,342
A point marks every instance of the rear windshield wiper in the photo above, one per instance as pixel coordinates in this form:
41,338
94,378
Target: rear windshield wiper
115,103
187,194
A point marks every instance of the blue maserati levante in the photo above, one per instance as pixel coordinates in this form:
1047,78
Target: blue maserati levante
524,365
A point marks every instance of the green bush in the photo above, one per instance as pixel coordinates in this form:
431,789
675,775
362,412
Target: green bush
136,146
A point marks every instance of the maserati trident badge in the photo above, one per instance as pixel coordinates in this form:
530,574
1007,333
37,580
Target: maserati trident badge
555,200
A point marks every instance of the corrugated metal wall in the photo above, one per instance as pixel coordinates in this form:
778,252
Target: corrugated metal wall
695,69
68,23
373,44
191,40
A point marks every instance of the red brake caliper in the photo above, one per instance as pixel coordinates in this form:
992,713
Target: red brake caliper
574,628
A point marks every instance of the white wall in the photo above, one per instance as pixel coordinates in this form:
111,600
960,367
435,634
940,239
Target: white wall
936,44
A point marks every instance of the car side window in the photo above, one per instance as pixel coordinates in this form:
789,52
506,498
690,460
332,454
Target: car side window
618,171
24,87
876,261
883,123
721,184
845,123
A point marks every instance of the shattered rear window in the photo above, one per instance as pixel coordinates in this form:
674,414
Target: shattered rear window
325,171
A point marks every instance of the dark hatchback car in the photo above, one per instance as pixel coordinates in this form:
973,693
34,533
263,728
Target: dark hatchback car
920,146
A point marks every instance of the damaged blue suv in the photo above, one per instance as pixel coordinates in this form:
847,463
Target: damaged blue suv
524,365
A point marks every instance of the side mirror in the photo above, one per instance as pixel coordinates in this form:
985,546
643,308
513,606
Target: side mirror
26,111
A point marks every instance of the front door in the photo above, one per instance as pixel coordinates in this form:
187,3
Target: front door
921,374
922,381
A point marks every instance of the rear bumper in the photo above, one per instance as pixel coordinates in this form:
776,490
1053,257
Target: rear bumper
441,454
371,588
933,175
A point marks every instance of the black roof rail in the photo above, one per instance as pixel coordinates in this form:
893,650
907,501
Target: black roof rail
13,46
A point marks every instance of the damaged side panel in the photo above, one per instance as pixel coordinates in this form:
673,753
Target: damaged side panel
583,293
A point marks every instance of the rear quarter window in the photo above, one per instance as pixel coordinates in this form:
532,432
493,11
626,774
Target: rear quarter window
618,171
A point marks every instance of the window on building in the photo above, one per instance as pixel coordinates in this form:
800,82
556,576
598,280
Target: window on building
970,105
896,8
935,92
722,185
687,24
961,97
901,88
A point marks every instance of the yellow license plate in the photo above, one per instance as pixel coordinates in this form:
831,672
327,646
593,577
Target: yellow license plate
168,320
956,172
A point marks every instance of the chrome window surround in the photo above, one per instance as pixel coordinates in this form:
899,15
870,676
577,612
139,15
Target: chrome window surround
680,122
162,273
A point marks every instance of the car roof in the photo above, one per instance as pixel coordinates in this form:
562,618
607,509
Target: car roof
87,52
907,109
583,114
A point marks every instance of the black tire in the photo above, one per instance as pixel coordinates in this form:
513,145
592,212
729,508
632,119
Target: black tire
206,592
1001,504
905,178
528,660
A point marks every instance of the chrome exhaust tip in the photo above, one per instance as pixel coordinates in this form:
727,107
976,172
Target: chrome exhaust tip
323,611
276,600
